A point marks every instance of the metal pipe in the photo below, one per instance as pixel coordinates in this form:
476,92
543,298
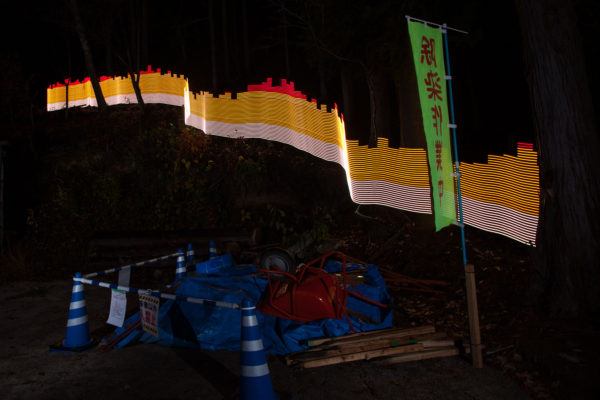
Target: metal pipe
455,145
409,18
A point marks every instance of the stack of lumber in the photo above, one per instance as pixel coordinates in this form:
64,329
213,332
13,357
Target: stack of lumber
391,345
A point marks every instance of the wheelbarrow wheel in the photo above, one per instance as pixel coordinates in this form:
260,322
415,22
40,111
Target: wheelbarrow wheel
278,260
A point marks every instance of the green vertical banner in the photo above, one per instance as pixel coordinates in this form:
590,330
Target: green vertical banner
428,54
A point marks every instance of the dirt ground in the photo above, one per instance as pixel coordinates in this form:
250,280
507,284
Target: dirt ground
34,316
526,354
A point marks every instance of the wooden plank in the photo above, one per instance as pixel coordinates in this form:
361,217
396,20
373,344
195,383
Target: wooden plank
421,355
476,355
365,355
436,339
317,342
396,335
429,343
338,351
382,333
381,342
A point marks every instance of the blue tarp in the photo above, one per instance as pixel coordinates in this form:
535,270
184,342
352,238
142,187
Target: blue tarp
214,328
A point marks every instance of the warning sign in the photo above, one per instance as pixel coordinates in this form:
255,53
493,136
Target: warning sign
149,305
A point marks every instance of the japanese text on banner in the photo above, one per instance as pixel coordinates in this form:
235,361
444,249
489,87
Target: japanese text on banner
427,47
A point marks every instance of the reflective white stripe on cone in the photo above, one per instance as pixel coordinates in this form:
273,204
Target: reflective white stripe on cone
180,269
255,380
190,256
212,250
78,331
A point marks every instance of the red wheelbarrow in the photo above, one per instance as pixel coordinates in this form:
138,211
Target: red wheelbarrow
311,294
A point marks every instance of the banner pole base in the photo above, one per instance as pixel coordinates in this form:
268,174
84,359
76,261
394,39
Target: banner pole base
476,355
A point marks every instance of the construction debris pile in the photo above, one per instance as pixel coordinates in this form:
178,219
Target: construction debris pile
388,345
345,298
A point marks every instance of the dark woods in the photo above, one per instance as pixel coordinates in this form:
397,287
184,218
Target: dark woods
355,54
512,82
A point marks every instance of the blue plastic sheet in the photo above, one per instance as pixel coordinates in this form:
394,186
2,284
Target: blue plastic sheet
214,328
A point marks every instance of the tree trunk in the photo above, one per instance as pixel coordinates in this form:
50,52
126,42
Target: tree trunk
225,33
235,52
286,50
87,54
409,107
385,103
380,100
144,57
245,40
108,60
567,251
323,95
68,81
348,108
134,50
372,108
135,82
213,46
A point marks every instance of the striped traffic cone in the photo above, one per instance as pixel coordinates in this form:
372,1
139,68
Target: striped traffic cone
255,379
180,269
78,330
190,257
212,250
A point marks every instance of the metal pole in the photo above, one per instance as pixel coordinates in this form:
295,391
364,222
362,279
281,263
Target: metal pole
444,26
473,312
452,125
